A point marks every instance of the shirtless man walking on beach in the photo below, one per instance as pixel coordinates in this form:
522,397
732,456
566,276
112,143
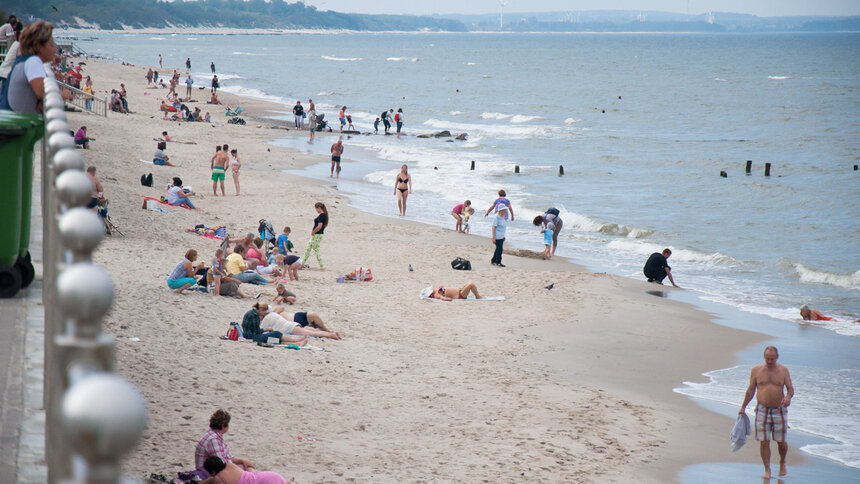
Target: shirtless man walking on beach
771,413
336,151
219,169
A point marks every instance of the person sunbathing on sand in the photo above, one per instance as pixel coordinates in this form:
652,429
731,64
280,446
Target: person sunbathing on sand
450,293
307,324
255,327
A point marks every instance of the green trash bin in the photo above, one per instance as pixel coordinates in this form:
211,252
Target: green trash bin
18,134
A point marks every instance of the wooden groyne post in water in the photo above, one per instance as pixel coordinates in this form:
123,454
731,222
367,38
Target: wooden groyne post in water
749,167
516,168
767,169
473,166
561,170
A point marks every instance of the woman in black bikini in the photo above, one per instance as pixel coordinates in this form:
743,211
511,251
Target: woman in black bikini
450,293
402,188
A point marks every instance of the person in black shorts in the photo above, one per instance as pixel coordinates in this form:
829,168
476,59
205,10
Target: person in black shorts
336,151
657,268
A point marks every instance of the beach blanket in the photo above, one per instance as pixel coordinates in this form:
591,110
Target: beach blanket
427,291
162,202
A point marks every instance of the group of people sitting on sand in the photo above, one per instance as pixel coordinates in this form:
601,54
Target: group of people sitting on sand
118,101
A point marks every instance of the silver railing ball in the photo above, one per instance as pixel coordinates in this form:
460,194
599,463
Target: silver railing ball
60,140
56,125
51,86
54,100
55,113
81,230
103,416
85,293
74,188
68,159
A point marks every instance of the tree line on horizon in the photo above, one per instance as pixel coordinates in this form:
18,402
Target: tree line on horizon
240,14
279,14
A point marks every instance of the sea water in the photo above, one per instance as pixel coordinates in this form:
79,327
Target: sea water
642,124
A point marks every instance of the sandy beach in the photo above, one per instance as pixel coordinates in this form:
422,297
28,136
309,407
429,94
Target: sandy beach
417,391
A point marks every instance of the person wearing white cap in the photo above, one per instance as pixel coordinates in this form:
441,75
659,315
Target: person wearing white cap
500,225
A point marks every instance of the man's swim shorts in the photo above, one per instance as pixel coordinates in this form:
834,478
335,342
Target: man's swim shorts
218,174
771,423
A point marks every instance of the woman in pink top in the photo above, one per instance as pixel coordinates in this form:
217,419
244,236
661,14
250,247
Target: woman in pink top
230,473
457,213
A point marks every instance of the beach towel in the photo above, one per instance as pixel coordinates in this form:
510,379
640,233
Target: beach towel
740,431
162,202
427,291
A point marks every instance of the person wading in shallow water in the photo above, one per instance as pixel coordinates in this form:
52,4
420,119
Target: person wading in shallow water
767,381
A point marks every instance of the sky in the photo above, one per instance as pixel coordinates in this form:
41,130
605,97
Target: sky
761,8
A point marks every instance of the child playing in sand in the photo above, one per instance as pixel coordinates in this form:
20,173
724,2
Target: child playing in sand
547,241
283,295
467,213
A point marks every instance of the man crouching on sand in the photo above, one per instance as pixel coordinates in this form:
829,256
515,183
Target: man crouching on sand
771,414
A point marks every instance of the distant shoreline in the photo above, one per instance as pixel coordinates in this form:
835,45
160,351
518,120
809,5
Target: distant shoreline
229,31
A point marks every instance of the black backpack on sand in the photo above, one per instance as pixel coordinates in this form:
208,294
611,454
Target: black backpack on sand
461,264
146,180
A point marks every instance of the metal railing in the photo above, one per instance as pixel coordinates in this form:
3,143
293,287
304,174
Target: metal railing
90,412
86,102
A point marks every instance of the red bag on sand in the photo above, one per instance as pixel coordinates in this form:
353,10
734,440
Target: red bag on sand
363,274
233,333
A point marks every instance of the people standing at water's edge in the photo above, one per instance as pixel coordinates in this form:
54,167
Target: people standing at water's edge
501,201
299,114
770,382
188,63
657,267
235,165
341,116
385,120
398,118
218,164
500,225
188,83
212,66
467,215
402,189
320,223
214,88
551,220
457,213
159,61
312,119
336,152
